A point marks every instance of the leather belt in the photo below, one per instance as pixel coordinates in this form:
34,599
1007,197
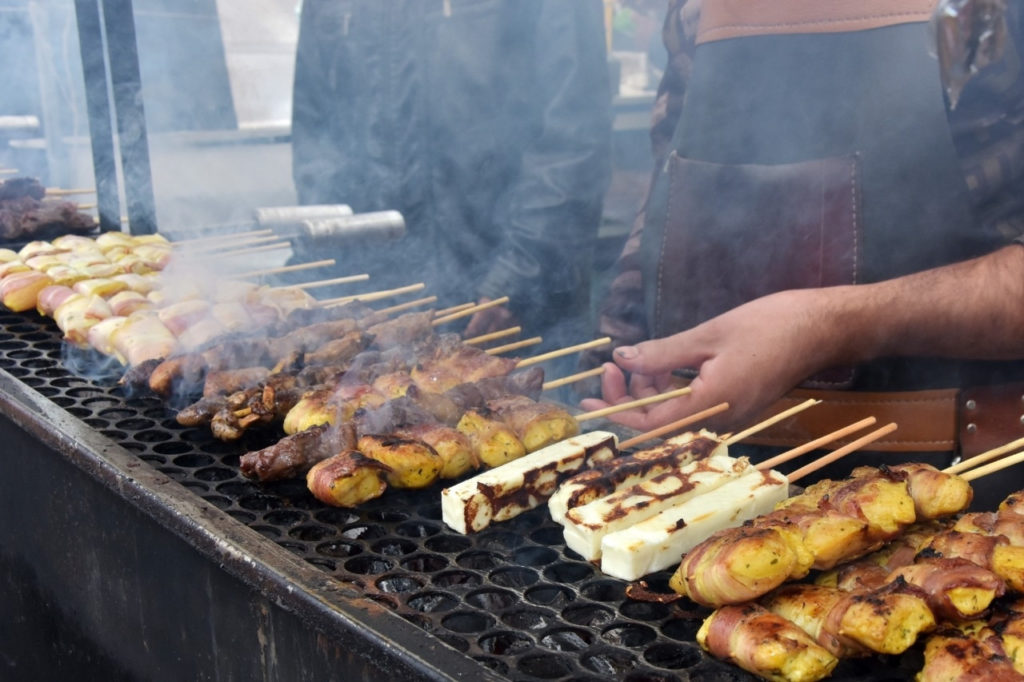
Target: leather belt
963,421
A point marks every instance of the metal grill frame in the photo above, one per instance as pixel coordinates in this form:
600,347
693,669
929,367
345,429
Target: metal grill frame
385,590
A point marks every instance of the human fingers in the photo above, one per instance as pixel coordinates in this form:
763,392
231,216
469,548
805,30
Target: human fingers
613,389
661,356
489,320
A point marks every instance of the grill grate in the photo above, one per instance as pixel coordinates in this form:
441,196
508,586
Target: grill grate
512,597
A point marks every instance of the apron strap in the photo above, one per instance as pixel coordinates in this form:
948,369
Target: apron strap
723,19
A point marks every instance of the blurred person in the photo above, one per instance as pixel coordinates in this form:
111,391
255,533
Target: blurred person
830,218
486,123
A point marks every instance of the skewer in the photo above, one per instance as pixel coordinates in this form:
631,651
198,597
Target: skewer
572,378
563,351
466,312
993,467
328,282
409,304
454,309
58,192
674,426
500,334
231,253
230,244
972,462
815,444
372,295
640,402
86,207
219,237
498,350
842,452
760,426
285,268
9,171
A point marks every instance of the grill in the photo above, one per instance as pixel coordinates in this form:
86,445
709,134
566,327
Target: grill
388,580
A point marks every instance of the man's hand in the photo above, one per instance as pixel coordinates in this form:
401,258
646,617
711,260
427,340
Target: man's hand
753,354
489,320
748,357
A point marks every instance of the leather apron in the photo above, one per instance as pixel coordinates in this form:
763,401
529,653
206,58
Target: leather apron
813,149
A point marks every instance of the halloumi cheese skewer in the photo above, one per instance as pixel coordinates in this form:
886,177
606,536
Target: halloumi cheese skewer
506,491
585,527
658,542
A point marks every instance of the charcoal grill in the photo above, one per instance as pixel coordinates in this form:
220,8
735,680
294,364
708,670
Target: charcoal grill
132,548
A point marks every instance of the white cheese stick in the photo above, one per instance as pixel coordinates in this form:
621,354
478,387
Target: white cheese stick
626,471
586,526
662,540
506,491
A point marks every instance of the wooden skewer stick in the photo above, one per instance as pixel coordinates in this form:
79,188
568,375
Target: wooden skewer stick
564,351
408,304
466,312
842,452
760,426
815,444
58,192
640,402
215,248
515,345
196,241
372,295
454,309
993,467
674,426
328,282
231,253
500,334
972,462
285,268
9,171
86,207
572,378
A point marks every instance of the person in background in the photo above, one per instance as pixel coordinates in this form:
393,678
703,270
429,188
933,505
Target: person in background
485,123
834,214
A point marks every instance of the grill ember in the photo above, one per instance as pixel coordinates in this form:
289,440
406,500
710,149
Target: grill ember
511,597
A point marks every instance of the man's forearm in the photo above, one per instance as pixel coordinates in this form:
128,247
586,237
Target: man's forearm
973,309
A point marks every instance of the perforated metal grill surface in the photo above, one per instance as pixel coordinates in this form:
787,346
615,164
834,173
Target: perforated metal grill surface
512,597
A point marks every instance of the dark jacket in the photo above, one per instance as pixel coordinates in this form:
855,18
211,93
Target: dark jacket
485,123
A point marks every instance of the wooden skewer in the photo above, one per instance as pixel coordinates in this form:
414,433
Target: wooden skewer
466,312
515,345
674,426
993,467
219,237
815,444
285,268
372,295
328,282
842,452
640,402
409,304
214,249
500,334
760,426
572,378
86,207
972,462
563,351
9,171
231,253
58,192
454,309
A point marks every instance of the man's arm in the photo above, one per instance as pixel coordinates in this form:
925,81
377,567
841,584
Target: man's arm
751,355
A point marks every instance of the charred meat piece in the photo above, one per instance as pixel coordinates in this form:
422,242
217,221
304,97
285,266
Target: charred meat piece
296,454
16,188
